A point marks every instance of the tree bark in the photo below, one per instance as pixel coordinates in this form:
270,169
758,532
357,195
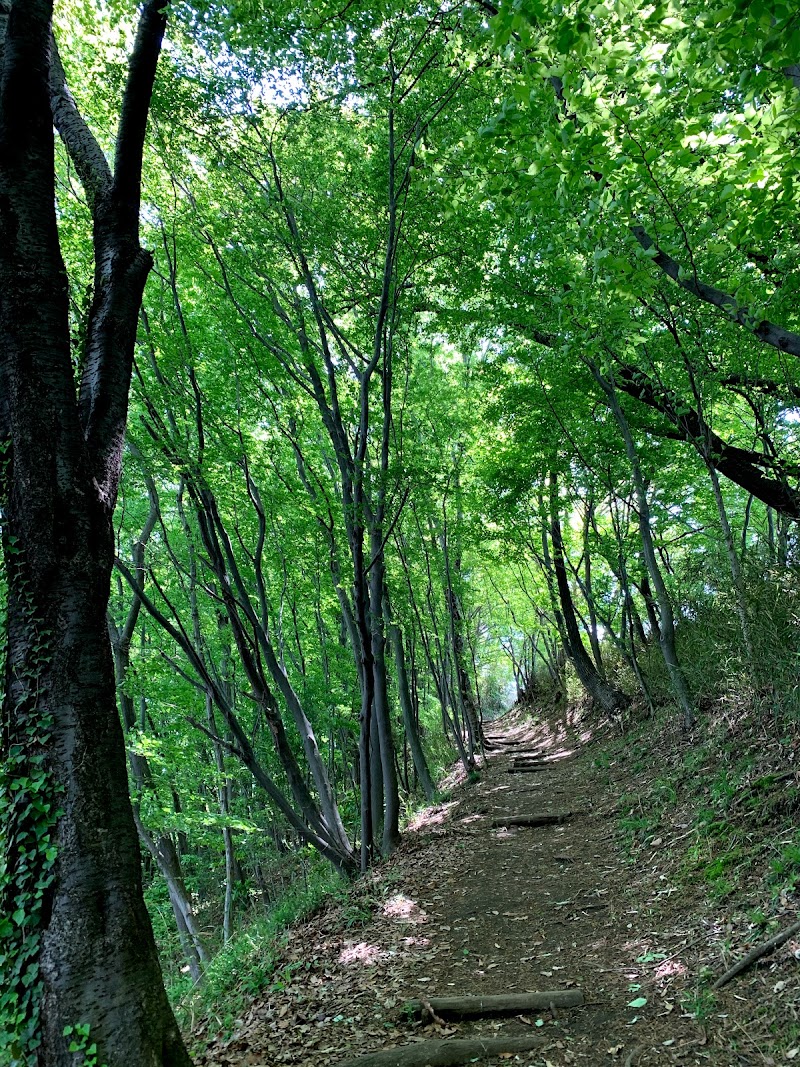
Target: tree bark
86,947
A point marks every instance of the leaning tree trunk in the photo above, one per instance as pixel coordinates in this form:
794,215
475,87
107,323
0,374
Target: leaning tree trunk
160,846
165,856
77,944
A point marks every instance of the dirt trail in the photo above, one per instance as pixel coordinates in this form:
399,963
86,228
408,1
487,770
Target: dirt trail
471,908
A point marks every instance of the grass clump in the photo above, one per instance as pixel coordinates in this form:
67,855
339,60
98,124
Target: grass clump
784,874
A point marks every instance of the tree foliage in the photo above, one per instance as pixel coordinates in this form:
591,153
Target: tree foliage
466,372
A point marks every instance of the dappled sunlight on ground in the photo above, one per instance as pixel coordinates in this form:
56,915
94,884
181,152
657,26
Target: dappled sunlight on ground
558,754
404,909
456,777
419,942
362,953
503,833
670,969
434,816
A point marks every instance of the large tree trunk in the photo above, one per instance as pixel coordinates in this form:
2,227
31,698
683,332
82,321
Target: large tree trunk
82,951
98,960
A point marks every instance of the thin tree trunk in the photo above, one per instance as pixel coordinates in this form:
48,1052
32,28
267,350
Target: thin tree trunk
587,587
391,794
165,855
462,687
610,698
375,782
666,615
406,708
736,570
160,846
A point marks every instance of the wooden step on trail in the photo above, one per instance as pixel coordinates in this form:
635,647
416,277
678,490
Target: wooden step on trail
473,1007
454,1051
544,818
446,1053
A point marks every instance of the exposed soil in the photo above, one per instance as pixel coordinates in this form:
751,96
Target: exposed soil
466,907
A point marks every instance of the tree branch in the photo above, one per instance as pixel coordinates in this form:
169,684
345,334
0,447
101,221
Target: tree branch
79,141
740,465
766,331
135,108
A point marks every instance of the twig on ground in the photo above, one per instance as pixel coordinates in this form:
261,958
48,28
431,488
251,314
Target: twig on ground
755,954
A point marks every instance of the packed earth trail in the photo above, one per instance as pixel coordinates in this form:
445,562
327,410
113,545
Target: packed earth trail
485,898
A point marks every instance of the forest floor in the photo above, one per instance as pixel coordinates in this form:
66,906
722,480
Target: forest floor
471,906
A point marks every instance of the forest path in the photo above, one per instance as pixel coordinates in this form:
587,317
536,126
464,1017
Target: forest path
469,906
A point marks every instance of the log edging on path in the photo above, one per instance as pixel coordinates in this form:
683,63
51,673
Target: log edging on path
445,1053
470,1007
755,954
537,819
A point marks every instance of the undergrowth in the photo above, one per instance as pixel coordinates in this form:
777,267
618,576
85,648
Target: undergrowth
248,965
724,801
